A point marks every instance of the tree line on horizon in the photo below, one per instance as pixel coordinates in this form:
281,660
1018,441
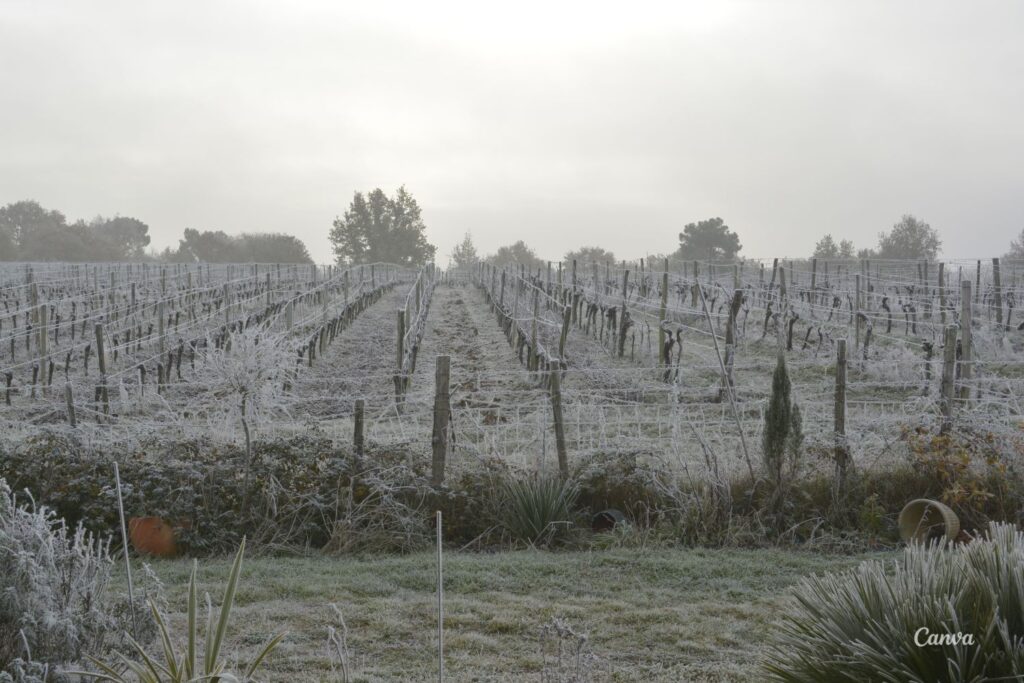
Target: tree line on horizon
30,232
382,228
712,239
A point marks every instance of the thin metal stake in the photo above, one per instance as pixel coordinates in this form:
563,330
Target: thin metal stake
725,380
127,560
440,604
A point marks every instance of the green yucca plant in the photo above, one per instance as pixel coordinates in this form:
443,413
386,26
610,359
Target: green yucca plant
188,666
536,510
866,624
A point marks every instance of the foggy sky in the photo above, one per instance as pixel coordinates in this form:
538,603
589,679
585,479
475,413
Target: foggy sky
558,124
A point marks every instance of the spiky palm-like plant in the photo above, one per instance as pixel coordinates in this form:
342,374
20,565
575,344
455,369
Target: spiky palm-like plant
536,510
866,624
187,666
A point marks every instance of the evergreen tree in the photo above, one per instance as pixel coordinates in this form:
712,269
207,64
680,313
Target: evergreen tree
464,254
378,228
783,436
911,238
778,423
589,255
349,234
708,239
515,254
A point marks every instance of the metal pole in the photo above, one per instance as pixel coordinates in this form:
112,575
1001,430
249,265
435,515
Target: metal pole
127,560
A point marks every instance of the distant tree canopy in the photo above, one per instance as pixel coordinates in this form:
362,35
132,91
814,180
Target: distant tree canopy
910,238
590,255
219,247
827,248
28,232
377,228
128,237
708,239
512,254
1016,252
464,254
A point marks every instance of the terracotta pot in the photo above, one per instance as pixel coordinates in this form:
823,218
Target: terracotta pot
152,536
923,520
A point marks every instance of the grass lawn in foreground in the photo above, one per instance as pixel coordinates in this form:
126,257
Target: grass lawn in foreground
651,615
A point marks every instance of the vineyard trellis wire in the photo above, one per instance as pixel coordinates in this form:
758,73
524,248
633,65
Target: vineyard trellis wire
620,393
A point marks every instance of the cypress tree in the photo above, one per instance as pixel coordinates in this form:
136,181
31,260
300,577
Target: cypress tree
778,423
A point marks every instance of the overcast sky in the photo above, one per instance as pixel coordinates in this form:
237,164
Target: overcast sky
611,124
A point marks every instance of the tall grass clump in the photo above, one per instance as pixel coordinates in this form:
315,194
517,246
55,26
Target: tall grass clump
538,510
56,602
190,665
866,624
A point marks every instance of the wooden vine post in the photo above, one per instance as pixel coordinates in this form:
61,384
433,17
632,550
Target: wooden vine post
442,413
948,378
400,355
856,313
69,400
531,361
966,336
942,292
556,409
623,323
160,326
357,429
997,294
662,313
101,358
842,449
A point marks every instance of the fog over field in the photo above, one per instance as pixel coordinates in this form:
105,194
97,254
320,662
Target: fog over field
564,124
548,342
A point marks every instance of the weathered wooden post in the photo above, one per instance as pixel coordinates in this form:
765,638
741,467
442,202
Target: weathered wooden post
966,336
531,361
44,325
997,294
357,431
556,409
160,325
842,450
977,283
948,370
227,302
442,412
662,313
400,355
942,291
101,358
70,401
623,322
856,313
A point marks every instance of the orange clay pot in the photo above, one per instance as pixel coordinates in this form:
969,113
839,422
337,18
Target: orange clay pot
152,536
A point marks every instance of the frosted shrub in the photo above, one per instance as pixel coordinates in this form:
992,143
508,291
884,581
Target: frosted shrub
938,614
250,367
55,602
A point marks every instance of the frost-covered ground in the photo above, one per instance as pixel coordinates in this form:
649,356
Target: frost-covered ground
611,402
650,615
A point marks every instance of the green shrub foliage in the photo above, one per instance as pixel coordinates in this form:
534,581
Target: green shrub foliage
537,510
865,624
